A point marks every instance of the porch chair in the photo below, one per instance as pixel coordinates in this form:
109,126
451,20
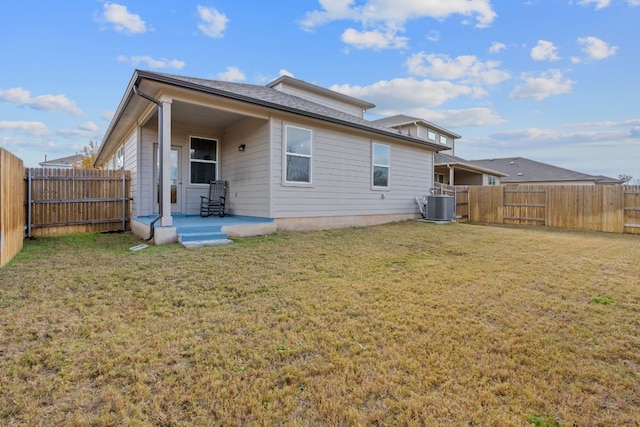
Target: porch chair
215,202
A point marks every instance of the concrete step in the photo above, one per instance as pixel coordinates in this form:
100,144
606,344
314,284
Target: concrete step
211,235
201,243
197,236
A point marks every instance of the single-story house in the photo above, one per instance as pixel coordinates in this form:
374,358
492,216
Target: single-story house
519,170
453,170
293,152
68,162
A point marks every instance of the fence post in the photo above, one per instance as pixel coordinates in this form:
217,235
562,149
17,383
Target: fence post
124,202
29,203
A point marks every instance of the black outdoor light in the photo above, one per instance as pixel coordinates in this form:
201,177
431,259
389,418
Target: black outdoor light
241,147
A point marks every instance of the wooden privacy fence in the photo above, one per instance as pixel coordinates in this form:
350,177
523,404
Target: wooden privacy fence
62,201
610,208
12,219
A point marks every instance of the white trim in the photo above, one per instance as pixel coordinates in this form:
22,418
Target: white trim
286,154
215,162
374,164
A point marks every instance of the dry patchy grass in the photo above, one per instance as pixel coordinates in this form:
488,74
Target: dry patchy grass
401,324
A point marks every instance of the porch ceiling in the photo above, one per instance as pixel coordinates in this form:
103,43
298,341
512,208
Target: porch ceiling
192,115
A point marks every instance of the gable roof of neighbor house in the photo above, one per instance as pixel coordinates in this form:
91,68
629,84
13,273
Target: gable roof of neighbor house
442,159
403,120
522,170
263,96
63,162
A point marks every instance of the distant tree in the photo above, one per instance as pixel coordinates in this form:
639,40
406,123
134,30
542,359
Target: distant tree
89,153
625,178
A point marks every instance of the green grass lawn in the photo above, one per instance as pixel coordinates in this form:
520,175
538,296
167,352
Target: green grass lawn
401,324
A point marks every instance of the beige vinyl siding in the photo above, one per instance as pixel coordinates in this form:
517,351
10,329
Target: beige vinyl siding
247,171
148,137
131,164
341,167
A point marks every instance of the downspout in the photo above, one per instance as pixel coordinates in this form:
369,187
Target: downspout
160,159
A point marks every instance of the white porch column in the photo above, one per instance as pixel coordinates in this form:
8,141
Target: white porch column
451,174
167,219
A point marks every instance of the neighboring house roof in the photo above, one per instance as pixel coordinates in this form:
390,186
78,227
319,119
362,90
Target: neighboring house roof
442,159
63,162
522,170
263,96
402,120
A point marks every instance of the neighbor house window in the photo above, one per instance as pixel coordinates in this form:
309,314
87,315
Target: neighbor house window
443,139
438,177
431,135
491,180
381,163
298,154
203,157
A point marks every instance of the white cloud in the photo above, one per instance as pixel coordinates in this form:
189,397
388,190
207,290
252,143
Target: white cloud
466,68
213,23
607,123
600,4
456,118
394,13
382,20
373,39
545,51
232,74
543,86
497,47
29,128
403,94
87,130
434,35
122,20
595,48
284,72
22,97
152,62
107,115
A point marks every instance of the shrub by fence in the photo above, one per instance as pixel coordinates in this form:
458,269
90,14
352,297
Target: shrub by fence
610,208
63,201
12,218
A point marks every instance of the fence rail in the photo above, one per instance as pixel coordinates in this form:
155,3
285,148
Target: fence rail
12,193
609,208
62,201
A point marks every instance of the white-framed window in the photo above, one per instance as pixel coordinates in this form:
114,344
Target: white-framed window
380,165
203,160
443,139
438,177
431,135
118,160
297,164
491,180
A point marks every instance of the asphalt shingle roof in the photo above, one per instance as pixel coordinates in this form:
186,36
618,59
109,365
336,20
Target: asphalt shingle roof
274,98
522,170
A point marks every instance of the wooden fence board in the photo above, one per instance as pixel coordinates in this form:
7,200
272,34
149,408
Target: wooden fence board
12,194
631,214
609,208
78,200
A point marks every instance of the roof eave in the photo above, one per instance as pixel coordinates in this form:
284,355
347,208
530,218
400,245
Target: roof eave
213,91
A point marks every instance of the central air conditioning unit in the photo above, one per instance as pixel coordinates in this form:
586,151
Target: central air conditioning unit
441,207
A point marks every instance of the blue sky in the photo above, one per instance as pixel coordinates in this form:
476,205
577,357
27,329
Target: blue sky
552,80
